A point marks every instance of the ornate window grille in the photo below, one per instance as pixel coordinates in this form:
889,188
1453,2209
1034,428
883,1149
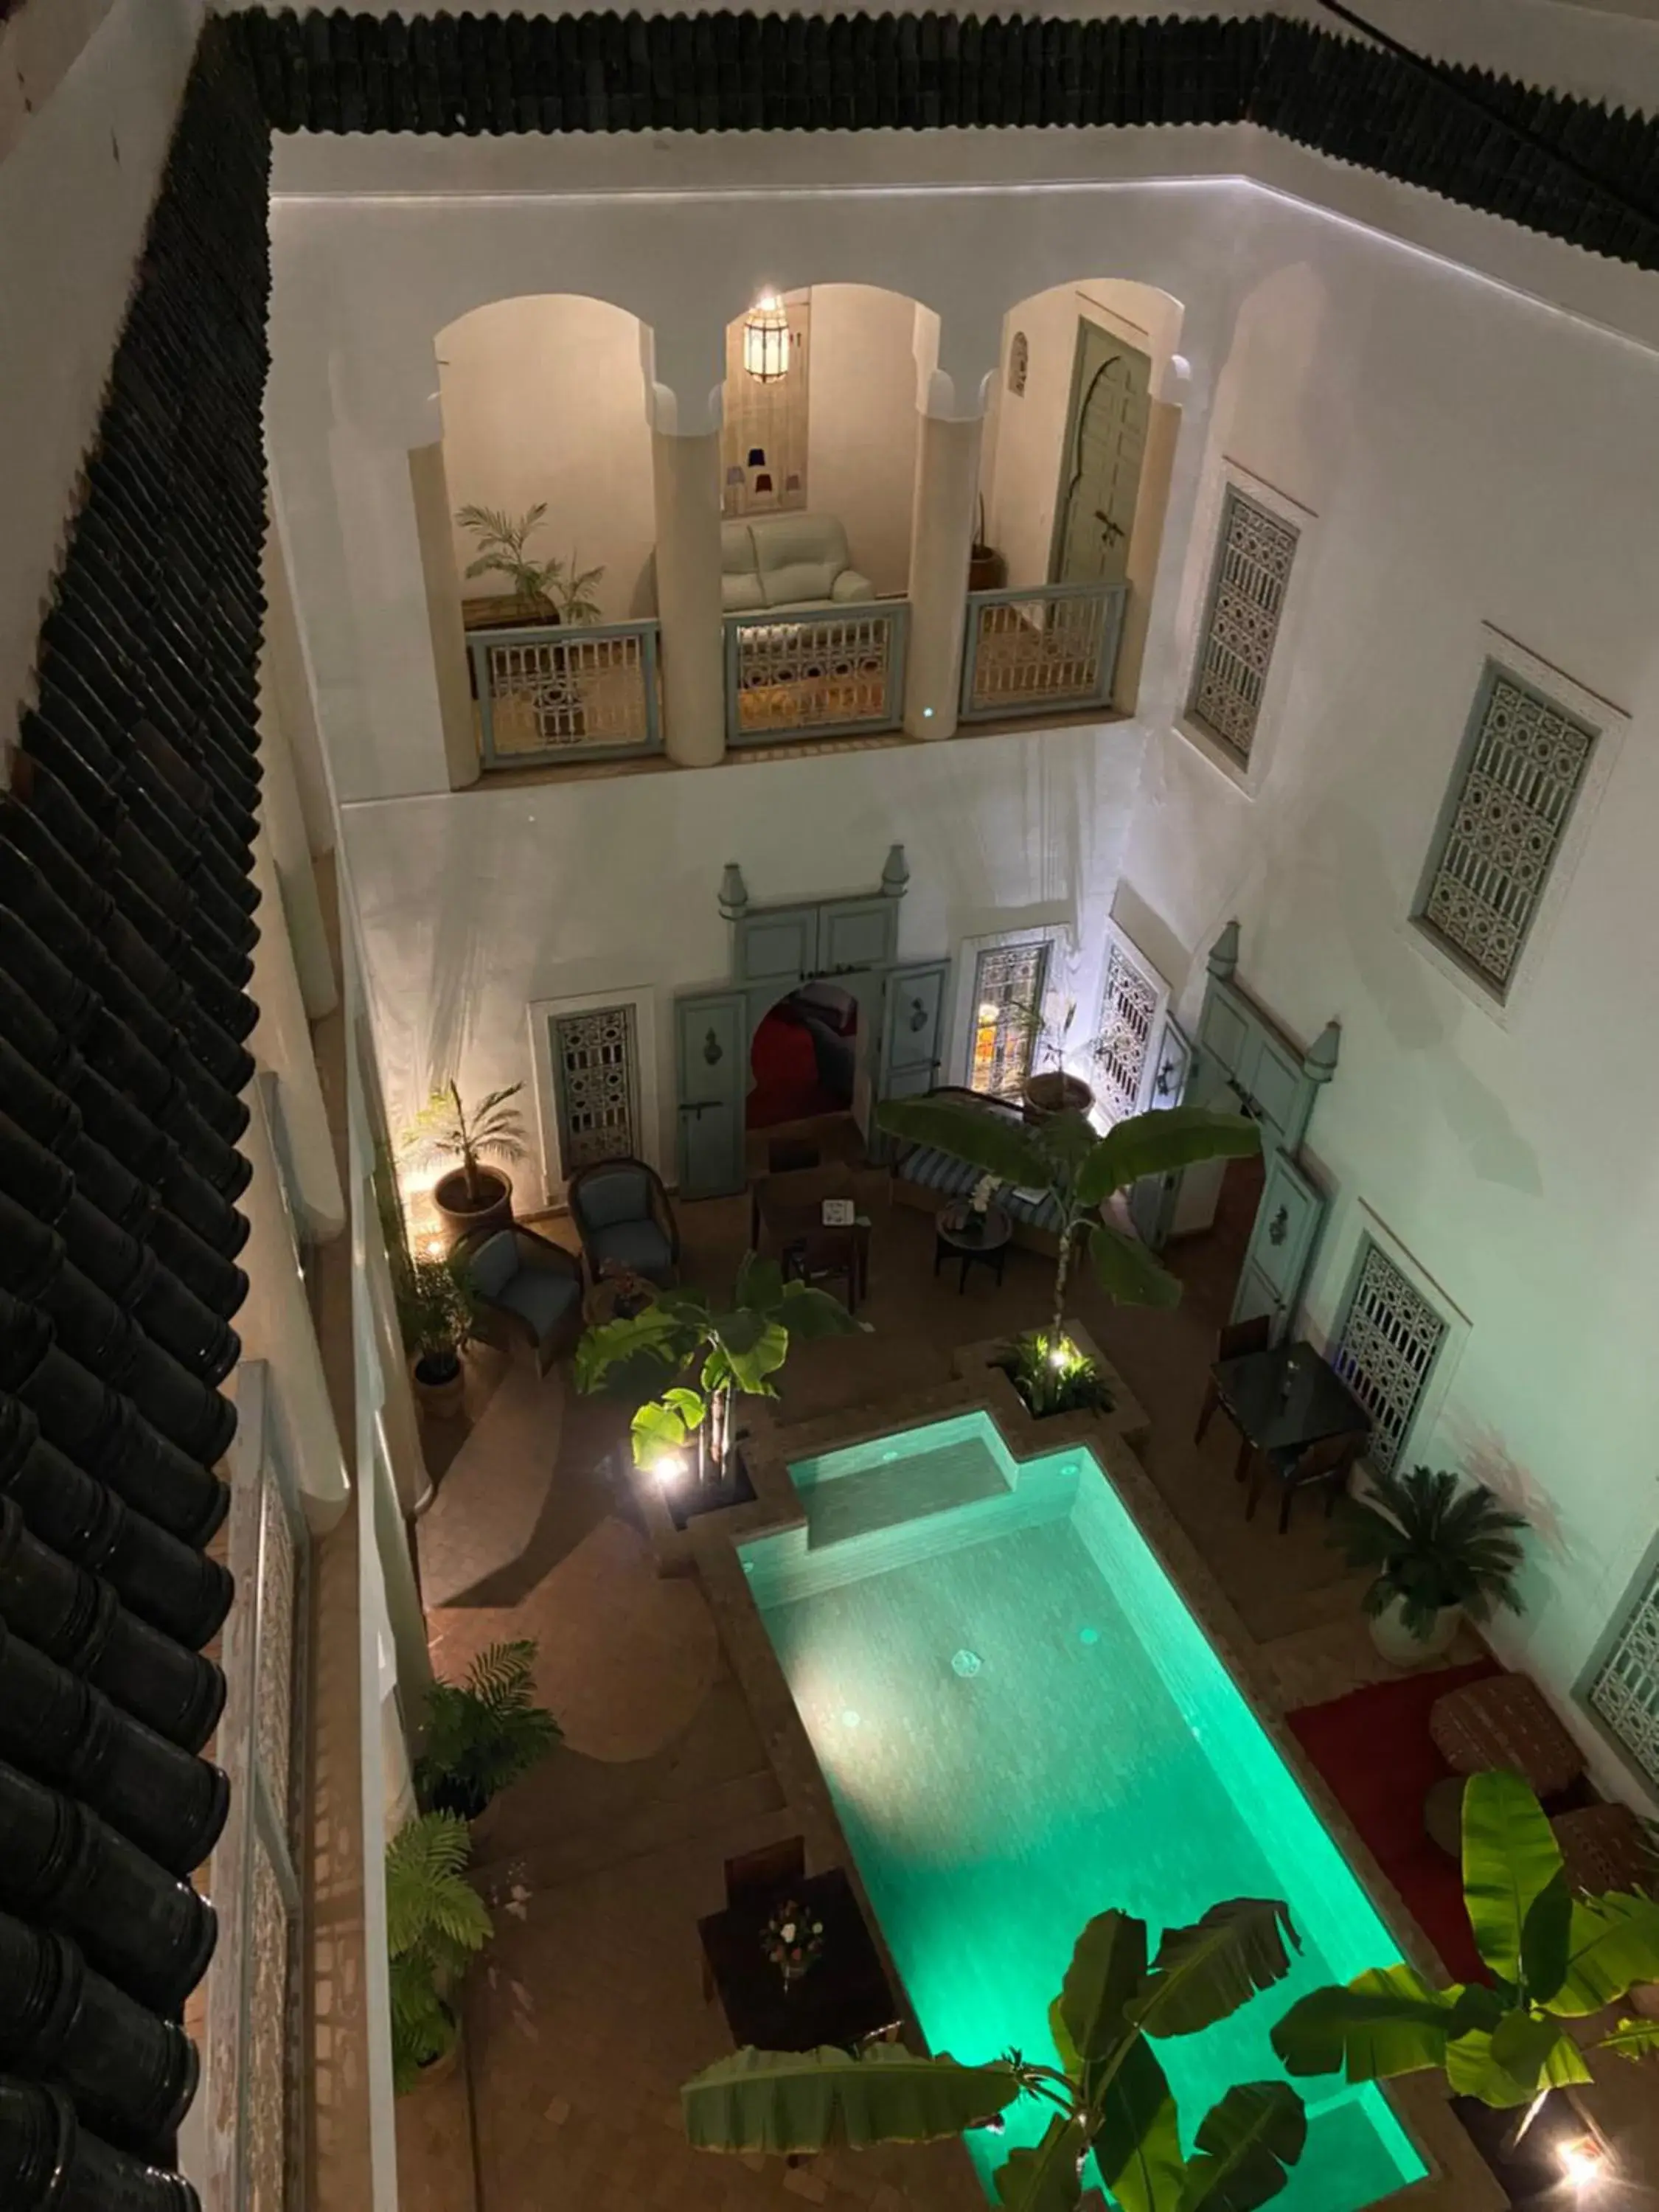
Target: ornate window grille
1008,985
1390,1341
1522,765
596,1068
1247,598
256,2031
1625,1689
1132,998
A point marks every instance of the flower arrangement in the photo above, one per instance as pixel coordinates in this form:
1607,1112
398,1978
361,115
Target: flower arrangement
791,1940
979,1198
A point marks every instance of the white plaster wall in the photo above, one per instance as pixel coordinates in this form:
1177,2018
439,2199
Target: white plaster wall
476,904
543,398
76,183
861,426
1025,436
1471,458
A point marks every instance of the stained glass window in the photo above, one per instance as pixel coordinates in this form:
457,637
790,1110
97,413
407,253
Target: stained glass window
1008,986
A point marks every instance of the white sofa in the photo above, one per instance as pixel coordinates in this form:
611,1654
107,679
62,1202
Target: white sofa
787,561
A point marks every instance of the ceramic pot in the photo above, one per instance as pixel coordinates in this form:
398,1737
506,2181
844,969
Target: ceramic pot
492,1210
1396,1643
439,1385
1055,1093
987,569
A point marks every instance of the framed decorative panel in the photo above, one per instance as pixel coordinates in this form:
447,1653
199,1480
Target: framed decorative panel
1624,1692
1386,1349
1009,983
596,1085
1134,999
1254,550
763,436
1523,763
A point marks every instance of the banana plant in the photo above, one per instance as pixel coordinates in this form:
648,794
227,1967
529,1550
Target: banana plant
1107,2096
1065,1158
1553,1958
692,1359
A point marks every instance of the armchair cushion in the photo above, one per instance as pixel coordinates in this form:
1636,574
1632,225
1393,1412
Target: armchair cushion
541,1296
612,1195
787,561
495,1264
640,1245
850,584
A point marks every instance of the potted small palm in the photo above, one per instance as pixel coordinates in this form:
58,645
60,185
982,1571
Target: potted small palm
1440,1550
436,1310
542,590
436,1923
470,1199
483,1732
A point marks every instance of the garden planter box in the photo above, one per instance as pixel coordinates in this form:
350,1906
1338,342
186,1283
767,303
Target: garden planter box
1127,1417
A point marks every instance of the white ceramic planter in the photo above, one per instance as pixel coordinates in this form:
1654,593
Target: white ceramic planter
1401,1649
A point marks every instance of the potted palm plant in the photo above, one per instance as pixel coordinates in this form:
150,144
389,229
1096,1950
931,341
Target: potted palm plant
691,1361
1051,1088
1438,1550
542,590
470,1199
436,1923
436,1310
483,1731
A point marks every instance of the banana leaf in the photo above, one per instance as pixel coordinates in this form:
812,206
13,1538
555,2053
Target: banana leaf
985,1140
1613,1944
1513,1887
1513,2063
808,1312
1244,2148
1632,2038
1160,1143
1137,2141
1385,2022
806,2100
1108,1964
1128,1271
1203,1973
1049,2178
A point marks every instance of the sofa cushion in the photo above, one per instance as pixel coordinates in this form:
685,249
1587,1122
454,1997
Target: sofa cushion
740,583
640,1245
799,556
851,586
495,1264
615,1194
543,1295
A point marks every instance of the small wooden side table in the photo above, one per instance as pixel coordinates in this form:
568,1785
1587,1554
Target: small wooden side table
617,1297
964,1237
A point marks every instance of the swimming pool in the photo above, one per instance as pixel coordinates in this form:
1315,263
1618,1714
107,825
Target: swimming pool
1022,1724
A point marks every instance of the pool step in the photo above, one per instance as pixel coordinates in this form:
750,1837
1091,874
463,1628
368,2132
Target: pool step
901,1486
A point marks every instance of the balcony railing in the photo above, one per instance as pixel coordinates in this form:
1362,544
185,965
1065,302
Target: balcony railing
550,693
1045,650
823,672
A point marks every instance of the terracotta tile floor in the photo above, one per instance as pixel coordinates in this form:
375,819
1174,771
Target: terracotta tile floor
589,2013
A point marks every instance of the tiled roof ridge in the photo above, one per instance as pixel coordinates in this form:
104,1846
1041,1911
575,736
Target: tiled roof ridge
125,930
1550,159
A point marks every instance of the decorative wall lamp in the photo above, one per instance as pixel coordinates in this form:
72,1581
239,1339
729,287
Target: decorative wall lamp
766,339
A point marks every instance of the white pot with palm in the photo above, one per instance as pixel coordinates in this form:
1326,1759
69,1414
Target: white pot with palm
1441,1552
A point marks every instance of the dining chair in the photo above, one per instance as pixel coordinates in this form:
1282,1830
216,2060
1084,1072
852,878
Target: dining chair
763,1872
1327,1462
1232,1343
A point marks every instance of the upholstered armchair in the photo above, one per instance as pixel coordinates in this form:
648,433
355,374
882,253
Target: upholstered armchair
622,1213
528,1287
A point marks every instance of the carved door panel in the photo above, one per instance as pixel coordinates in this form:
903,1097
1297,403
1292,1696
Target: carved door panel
711,1062
1281,1246
1153,1201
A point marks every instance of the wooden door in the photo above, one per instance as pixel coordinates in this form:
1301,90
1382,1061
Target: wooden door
1281,1246
1152,1200
913,1017
1100,463
778,944
711,1063
856,933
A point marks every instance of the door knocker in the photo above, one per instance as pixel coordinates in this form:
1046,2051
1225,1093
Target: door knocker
918,1014
1278,1227
711,1049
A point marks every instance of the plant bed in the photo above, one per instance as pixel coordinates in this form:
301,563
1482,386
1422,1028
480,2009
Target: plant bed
1124,1414
734,1487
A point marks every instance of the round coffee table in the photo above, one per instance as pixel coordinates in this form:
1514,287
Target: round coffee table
617,1297
964,1237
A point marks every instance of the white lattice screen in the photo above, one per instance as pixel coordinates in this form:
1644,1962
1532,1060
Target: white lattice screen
1247,598
596,1073
1524,761
1133,998
1625,1691
1387,1349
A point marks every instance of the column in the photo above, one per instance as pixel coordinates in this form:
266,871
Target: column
941,541
282,666
283,818
433,529
686,475
281,1042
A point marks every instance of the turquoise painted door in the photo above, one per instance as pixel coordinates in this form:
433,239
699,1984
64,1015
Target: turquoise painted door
1152,1201
856,933
913,1029
711,1062
1100,466
1281,1246
777,945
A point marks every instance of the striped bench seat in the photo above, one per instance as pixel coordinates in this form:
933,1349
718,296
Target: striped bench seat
928,1169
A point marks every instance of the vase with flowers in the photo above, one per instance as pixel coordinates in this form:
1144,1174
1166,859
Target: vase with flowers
979,1204
793,1941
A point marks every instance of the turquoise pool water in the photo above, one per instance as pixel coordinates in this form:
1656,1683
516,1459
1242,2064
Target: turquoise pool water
1022,1724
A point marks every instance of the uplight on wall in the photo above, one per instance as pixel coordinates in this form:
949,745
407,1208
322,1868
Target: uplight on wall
766,340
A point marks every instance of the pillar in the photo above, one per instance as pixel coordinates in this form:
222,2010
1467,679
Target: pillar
283,667
290,851
1146,544
942,519
435,532
281,1042
686,475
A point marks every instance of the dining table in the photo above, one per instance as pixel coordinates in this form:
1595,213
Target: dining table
1283,1399
843,1997
787,1220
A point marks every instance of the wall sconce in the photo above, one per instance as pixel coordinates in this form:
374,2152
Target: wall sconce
766,339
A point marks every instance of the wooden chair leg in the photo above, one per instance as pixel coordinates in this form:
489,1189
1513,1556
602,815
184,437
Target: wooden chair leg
1285,1507
1242,1464
1206,1412
1251,1501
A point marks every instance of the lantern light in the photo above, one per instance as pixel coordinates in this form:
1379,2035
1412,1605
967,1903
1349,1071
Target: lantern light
766,340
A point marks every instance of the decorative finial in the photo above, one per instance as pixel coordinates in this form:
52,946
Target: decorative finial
734,893
1319,1061
1223,954
895,875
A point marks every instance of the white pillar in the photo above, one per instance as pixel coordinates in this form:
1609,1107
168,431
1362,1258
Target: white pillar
284,667
429,484
686,475
282,1042
942,518
283,818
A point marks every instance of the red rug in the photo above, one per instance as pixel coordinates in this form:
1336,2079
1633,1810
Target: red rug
1374,1751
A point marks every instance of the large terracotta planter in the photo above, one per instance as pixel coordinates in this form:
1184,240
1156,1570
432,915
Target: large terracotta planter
492,1210
440,1389
1395,1643
1041,1096
987,569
